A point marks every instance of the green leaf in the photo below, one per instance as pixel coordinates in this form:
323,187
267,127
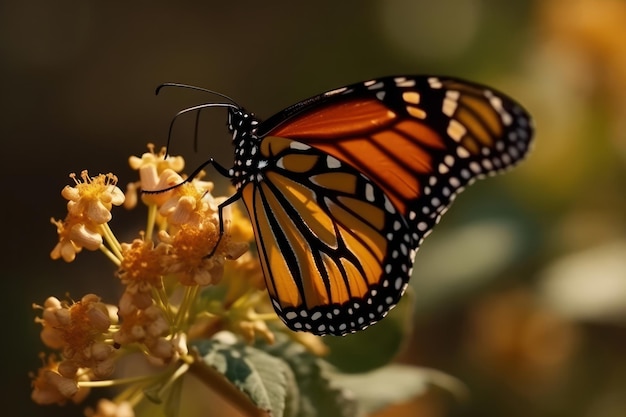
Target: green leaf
375,346
395,384
319,395
266,380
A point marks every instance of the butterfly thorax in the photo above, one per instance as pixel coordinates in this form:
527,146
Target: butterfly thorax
242,125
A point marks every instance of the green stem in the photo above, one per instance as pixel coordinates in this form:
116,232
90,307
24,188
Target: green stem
151,221
115,382
110,255
185,306
180,371
110,238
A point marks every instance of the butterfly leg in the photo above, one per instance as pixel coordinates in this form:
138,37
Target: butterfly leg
219,168
220,210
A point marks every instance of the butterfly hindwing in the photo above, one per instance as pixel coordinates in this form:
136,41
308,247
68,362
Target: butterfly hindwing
335,252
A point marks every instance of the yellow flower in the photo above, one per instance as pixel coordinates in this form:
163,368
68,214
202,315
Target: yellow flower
89,211
158,160
141,268
189,204
194,235
151,180
93,197
189,247
141,271
156,172
74,234
50,387
80,330
150,328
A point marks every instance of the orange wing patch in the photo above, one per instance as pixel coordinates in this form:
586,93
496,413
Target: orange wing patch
278,278
393,152
303,200
304,276
347,118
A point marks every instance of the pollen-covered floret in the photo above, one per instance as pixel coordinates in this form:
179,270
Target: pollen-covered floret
150,328
80,330
93,197
74,235
141,264
161,161
198,249
157,171
51,387
89,209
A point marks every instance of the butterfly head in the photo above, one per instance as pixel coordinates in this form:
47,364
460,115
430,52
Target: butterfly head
241,124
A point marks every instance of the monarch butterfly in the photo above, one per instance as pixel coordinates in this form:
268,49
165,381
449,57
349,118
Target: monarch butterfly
343,187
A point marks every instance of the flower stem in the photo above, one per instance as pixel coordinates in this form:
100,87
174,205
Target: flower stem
150,222
110,255
189,297
110,238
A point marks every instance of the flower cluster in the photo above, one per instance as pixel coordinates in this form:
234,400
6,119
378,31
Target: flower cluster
167,273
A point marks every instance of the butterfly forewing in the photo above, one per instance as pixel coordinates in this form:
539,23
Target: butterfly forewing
404,132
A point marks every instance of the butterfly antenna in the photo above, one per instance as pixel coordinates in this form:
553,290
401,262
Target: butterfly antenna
232,104
193,87
197,109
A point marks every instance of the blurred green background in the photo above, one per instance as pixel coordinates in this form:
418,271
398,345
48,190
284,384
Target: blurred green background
521,290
